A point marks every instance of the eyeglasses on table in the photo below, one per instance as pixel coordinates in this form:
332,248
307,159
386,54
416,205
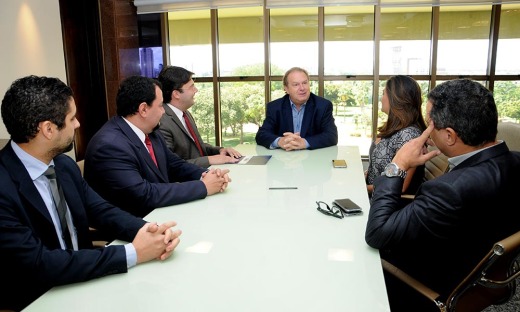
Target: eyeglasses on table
324,208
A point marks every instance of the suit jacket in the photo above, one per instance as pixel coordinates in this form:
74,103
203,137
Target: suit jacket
454,220
119,167
180,142
318,126
32,260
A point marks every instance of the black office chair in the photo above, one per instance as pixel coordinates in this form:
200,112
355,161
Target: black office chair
492,281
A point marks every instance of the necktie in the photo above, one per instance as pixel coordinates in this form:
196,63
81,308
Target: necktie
60,203
150,148
192,133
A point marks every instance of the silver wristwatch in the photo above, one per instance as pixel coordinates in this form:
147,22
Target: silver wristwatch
392,170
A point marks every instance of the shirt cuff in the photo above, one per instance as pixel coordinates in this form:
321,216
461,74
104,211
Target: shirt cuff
274,145
131,256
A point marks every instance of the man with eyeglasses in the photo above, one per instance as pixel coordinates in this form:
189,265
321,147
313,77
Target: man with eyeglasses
178,126
298,120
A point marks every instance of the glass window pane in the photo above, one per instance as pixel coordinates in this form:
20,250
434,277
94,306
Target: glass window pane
349,45
241,41
242,107
352,104
203,112
508,62
507,98
405,41
277,90
151,61
190,41
463,40
294,39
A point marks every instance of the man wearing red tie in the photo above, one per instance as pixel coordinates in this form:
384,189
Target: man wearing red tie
128,163
178,126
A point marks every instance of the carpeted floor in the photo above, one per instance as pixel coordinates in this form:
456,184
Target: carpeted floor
512,305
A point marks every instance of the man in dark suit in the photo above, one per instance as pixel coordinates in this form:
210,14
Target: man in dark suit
456,218
40,115
179,91
298,120
119,163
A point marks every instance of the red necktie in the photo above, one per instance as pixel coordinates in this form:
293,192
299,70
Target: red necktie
150,148
192,133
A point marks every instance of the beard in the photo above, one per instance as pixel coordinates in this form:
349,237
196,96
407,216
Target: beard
68,148
62,149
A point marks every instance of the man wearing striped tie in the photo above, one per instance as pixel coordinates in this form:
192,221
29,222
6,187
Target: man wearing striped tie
46,207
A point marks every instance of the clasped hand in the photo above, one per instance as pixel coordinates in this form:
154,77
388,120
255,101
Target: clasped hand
216,180
154,241
292,141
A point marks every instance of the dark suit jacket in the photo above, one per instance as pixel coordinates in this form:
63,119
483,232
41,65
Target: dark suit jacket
119,167
179,141
31,260
318,126
454,220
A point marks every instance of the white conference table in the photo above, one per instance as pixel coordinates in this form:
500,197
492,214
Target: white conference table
254,249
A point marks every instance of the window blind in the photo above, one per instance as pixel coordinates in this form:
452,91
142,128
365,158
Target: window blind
272,4
416,3
158,6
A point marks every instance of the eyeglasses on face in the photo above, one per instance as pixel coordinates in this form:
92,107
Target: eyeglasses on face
326,209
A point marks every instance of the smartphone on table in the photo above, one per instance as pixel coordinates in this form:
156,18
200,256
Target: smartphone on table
347,206
339,163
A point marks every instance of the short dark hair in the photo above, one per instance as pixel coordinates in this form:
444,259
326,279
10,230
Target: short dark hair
133,91
31,100
173,78
467,107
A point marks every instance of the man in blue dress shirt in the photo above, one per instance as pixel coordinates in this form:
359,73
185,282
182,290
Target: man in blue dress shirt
298,120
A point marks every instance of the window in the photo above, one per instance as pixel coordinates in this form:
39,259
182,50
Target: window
349,44
336,44
463,40
190,41
405,41
508,62
294,40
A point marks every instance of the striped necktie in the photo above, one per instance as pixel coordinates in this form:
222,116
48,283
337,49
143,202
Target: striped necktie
60,204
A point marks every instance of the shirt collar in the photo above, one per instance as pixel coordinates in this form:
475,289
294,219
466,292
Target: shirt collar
294,105
177,111
455,161
34,166
137,131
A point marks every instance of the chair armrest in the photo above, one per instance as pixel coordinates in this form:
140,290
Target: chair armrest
410,281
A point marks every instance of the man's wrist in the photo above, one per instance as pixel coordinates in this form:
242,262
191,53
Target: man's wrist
393,170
